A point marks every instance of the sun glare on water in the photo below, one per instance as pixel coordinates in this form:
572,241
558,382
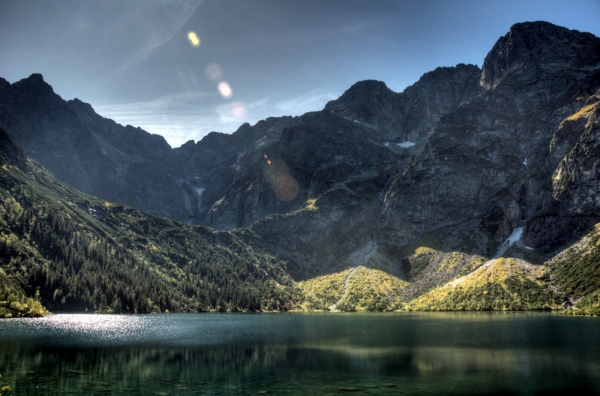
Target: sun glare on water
102,326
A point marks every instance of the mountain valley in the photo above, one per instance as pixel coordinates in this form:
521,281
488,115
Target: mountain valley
473,189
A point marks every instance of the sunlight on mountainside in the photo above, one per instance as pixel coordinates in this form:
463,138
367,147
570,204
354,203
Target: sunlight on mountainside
502,284
584,112
355,289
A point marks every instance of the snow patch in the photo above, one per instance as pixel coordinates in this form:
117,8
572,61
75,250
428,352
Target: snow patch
528,248
199,191
515,236
406,144
387,144
525,162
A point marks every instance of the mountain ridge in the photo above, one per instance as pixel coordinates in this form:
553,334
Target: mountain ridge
424,185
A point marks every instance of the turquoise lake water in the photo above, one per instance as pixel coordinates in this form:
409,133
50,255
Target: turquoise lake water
302,354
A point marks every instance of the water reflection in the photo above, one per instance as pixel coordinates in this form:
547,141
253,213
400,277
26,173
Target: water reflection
330,354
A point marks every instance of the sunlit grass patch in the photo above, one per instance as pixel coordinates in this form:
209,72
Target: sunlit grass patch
368,290
372,290
583,112
323,291
310,204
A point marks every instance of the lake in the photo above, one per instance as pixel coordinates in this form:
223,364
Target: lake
302,354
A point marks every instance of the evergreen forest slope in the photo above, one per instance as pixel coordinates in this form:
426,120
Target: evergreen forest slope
78,253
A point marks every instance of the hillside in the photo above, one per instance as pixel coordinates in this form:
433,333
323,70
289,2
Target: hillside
79,253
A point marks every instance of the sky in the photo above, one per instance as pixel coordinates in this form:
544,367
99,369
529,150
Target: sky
182,69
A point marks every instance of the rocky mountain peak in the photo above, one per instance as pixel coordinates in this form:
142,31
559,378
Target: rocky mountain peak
365,88
531,46
35,83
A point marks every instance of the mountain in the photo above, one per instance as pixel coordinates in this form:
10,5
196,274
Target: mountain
74,252
126,164
461,192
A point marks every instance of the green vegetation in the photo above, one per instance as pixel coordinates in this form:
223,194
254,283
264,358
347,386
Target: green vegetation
14,302
322,291
4,389
575,271
84,254
449,262
507,284
368,290
371,290
472,264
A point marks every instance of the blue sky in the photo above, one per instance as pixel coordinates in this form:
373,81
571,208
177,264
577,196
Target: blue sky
133,60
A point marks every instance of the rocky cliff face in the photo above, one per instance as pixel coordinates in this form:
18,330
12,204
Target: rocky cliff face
95,155
409,115
490,159
480,168
458,162
125,164
570,207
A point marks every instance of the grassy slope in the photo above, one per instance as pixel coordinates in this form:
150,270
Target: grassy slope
575,271
501,284
368,290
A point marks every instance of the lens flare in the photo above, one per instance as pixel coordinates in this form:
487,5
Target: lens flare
225,90
284,186
193,39
238,110
213,72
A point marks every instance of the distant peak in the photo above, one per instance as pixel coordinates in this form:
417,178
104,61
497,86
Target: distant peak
360,91
34,82
36,77
369,85
531,45
449,72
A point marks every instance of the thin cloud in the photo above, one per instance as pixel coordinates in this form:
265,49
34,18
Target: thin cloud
192,115
158,39
311,101
254,111
178,117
